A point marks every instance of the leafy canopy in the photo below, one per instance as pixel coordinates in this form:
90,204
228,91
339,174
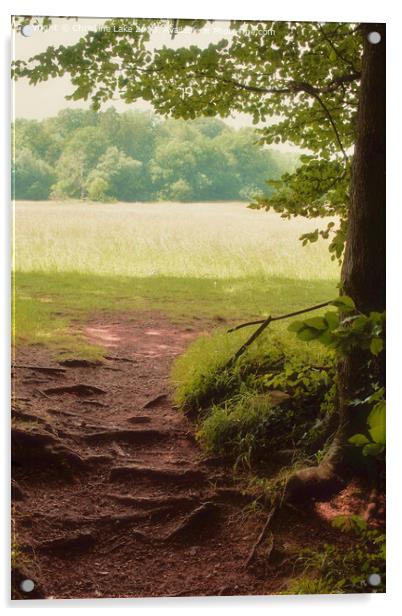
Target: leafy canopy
301,79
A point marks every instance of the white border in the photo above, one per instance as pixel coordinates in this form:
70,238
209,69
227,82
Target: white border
341,10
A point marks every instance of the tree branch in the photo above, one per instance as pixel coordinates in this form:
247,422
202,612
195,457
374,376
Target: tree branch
284,316
263,326
330,118
293,87
336,51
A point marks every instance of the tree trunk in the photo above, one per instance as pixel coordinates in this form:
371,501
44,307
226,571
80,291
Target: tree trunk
363,270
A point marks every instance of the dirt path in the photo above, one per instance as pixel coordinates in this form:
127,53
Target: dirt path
113,496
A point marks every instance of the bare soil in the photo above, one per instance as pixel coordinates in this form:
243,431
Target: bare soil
112,494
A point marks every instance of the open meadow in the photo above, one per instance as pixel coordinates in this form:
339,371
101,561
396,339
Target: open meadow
218,261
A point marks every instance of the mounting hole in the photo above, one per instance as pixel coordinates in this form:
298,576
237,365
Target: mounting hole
374,579
27,30
374,38
27,585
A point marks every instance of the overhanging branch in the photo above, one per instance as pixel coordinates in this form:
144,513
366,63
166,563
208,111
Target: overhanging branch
263,325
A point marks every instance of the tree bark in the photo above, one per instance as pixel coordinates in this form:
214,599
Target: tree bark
363,270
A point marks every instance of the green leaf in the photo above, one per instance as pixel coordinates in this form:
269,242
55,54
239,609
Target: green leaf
332,319
376,421
358,439
316,323
358,323
376,346
377,395
296,326
373,449
345,303
326,338
306,334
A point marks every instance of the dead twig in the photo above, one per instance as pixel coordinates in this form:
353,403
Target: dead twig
284,316
248,342
263,325
260,538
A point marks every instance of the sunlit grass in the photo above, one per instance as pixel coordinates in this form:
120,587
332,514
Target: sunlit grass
201,369
221,241
186,260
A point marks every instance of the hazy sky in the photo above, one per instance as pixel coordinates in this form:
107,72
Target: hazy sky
47,98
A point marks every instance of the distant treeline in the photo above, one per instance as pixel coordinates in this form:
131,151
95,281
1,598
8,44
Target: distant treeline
134,156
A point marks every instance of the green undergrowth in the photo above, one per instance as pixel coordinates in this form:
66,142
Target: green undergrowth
341,569
278,396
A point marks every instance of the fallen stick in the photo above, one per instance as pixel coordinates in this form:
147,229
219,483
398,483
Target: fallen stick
260,538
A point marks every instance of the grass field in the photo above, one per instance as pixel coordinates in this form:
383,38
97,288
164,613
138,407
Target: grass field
210,260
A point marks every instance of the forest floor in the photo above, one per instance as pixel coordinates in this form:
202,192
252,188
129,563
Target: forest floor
113,496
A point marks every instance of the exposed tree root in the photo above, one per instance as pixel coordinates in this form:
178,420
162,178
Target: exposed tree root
197,522
95,521
78,390
42,448
43,369
80,363
320,481
145,502
103,458
128,436
135,471
115,545
80,542
64,412
139,419
155,401
158,513
94,403
18,414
